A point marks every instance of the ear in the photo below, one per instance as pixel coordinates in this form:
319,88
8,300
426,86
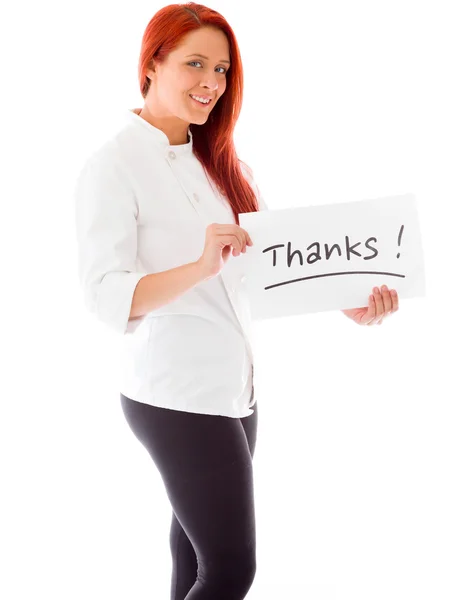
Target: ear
151,72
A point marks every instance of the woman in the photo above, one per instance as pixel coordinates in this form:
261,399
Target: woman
146,201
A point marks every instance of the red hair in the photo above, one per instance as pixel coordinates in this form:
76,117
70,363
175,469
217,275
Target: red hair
213,141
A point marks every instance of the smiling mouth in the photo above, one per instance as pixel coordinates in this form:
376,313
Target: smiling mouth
201,103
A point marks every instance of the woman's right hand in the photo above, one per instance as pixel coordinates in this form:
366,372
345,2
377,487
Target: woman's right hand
220,241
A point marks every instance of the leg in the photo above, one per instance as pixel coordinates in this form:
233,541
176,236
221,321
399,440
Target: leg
184,561
206,465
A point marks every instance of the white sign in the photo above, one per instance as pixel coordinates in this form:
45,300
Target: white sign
329,257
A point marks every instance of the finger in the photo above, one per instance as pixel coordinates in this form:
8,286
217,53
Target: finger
249,242
237,250
378,318
394,300
233,241
371,313
234,237
378,303
240,234
239,242
387,302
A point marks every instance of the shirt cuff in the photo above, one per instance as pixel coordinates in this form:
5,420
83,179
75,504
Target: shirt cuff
114,298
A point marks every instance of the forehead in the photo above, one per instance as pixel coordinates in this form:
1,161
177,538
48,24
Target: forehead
209,41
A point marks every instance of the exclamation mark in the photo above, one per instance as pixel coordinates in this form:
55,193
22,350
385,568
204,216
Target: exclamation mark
399,238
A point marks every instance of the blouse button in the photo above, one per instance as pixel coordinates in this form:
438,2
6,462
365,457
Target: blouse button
171,154
243,278
196,197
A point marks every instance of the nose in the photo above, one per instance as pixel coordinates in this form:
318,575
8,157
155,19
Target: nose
211,88
210,83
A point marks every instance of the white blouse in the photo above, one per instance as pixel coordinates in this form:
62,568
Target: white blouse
142,206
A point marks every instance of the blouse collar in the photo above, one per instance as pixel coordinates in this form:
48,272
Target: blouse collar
158,135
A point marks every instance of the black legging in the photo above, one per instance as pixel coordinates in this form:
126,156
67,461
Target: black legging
205,462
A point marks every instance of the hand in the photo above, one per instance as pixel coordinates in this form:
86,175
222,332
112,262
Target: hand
381,305
221,241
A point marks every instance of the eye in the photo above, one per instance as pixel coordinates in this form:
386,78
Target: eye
197,61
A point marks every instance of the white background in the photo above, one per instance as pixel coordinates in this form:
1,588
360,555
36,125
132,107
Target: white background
356,465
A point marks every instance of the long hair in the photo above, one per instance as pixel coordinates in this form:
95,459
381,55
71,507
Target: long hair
213,141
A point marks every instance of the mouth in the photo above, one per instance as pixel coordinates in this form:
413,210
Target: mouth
204,104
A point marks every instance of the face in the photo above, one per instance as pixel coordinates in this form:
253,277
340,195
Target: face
184,74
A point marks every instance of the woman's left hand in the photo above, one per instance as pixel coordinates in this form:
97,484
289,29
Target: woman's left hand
381,305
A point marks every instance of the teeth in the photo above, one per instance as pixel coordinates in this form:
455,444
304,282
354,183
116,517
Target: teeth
201,100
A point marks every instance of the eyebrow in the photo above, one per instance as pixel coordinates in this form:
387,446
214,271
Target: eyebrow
202,56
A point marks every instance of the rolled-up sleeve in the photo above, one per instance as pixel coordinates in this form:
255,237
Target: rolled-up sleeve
106,228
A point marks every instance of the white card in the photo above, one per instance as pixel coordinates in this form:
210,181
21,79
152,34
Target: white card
329,257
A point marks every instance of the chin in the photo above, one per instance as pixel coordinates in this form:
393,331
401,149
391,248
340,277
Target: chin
197,121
